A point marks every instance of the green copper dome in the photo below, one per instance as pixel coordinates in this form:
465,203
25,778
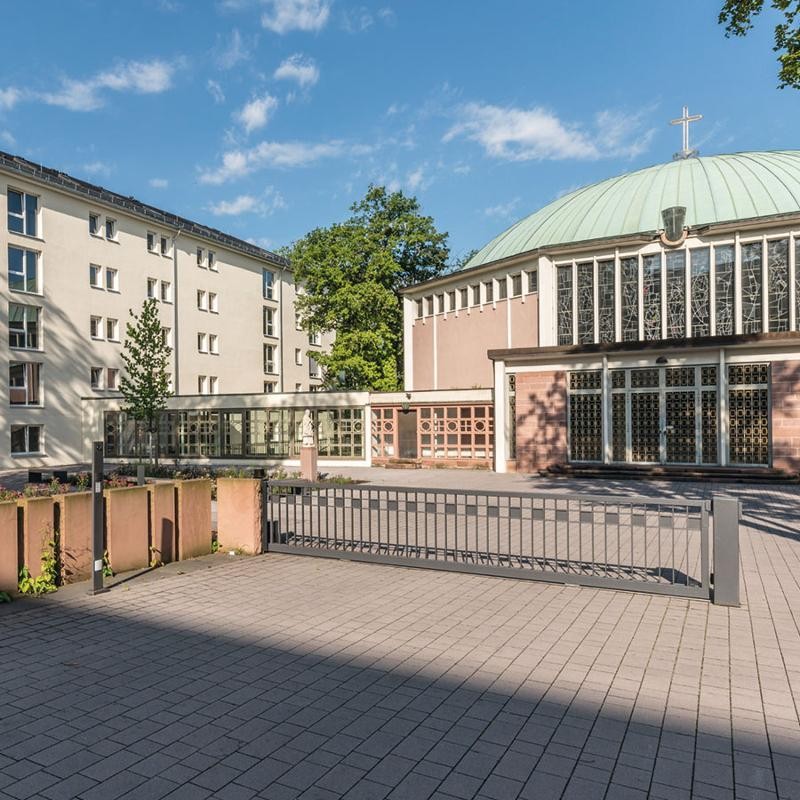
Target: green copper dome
714,189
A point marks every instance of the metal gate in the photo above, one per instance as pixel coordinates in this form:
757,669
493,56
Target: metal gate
635,543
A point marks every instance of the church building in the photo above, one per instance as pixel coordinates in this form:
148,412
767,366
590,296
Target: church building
649,321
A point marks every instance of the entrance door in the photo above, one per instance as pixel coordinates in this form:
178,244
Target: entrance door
645,427
407,434
680,428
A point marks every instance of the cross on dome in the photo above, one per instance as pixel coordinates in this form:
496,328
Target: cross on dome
684,120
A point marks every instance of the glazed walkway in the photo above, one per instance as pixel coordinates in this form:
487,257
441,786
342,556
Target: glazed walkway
290,677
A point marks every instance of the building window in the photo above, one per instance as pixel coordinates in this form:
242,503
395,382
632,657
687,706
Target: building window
778,284
585,302
451,301
651,296
298,321
202,384
724,256
315,339
200,262
440,303
111,228
202,343
166,292
26,439
166,336
298,356
502,288
112,379
94,224
700,292
313,368
95,276
152,288
476,294
488,292
269,387
213,344
268,281
464,297
151,241
752,288
629,272
112,279
23,211
269,359
96,377
112,330
202,300
213,303
298,387
606,296
269,322
676,294
429,304
24,383
212,260
516,285
96,327
164,246
23,270
419,310
23,327
213,385
564,300
533,281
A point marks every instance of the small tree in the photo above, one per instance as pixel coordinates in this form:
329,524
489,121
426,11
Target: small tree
145,384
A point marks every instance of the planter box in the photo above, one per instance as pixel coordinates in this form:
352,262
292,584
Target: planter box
38,529
127,531
9,556
194,518
239,514
163,518
76,536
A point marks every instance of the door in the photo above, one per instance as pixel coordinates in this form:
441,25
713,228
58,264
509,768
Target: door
680,426
645,427
407,434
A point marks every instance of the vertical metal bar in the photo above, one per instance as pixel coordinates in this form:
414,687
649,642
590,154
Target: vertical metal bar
704,546
726,550
445,515
97,518
672,535
686,533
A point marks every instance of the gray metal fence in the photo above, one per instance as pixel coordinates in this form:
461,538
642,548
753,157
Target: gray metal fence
637,543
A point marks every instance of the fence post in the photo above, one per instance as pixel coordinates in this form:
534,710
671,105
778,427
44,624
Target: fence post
726,550
97,518
266,517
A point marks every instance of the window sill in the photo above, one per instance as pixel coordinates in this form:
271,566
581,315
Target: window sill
28,236
23,291
26,349
29,455
112,241
26,405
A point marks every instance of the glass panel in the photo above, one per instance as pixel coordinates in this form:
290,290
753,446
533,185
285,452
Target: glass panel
752,288
18,439
619,427
778,284
34,432
585,427
680,425
630,299
16,275
589,379
31,271
31,206
564,291
701,292
645,422
15,218
651,296
585,303
724,280
676,294
606,310
708,410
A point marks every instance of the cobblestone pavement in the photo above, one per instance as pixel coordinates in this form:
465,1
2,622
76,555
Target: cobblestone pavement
289,677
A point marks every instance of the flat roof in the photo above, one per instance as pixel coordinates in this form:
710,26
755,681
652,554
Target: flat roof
60,180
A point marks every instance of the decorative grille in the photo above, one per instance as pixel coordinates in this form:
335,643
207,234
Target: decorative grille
748,413
724,285
701,292
629,268
586,427
651,296
585,303
752,288
565,318
778,284
676,294
606,310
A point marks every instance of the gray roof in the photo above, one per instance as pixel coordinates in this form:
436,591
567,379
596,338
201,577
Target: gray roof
131,205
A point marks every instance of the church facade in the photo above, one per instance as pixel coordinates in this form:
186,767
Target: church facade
649,320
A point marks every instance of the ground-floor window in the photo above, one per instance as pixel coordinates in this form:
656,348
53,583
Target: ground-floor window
26,439
268,433
670,415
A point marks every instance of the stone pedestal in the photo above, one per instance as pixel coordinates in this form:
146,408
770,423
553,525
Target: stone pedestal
308,463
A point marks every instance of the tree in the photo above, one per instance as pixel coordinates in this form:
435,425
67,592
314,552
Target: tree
145,384
352,274
738,17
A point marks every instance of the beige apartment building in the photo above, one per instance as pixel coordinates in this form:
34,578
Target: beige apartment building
78,259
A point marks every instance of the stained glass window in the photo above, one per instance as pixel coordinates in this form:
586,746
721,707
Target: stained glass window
651,296
585,303
676,294
778,284
606,310
724,284
629,270
797,283
564,289
752,288
700,292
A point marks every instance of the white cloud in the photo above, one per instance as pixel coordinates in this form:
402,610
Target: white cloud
233,51
536,134
417,179
140,77
159,183
9,97
502,210
361,18
215,91
96,168
237,163
283,16
7,139
270,201
255,114
300,69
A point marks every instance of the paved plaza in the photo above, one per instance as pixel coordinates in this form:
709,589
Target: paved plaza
289,677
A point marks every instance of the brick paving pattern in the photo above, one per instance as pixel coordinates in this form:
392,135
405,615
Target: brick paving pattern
289,677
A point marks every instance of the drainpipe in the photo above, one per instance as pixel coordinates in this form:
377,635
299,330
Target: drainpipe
282,274
176,331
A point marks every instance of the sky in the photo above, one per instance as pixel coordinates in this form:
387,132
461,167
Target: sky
268,118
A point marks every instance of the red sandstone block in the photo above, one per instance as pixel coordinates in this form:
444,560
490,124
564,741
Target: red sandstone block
9,557
163,522
38,530
239,514
128,528
76,536
194,518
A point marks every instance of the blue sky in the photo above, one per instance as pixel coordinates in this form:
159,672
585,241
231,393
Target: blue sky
267,118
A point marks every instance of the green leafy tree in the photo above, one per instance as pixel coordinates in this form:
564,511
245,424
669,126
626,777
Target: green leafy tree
738,18
352,273
145,383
